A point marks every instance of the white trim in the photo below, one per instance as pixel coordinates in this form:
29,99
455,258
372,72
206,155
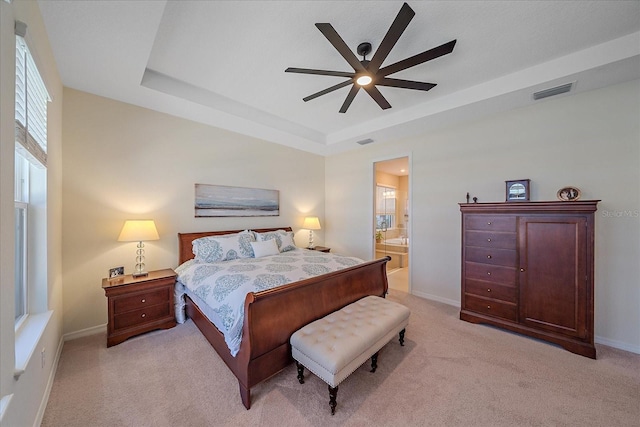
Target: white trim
409,156
617,344
47,391
85,332
4,404
436,298
27,339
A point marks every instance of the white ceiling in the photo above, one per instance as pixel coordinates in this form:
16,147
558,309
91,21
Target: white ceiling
222,62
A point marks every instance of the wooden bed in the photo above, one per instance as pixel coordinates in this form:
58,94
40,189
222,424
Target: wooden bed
272,316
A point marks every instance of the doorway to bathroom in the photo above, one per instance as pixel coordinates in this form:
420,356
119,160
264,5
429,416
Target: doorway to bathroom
392,220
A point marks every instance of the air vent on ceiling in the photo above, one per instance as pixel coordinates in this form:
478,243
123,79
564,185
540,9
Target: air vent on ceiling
553,91
365,141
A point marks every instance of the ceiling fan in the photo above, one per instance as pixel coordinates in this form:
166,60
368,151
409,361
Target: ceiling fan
368,74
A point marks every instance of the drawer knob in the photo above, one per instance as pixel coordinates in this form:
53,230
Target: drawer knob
489,223
489,290
143,315
488,273
489,307
522,270
488,256
488,240
144,300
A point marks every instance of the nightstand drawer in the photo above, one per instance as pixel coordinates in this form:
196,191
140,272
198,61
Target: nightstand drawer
145,315
141,300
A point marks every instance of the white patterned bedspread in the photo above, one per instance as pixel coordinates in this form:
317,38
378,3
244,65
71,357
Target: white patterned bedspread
224,285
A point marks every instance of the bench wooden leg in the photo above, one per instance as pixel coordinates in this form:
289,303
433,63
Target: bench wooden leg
374,362
333,394
402,337
300,372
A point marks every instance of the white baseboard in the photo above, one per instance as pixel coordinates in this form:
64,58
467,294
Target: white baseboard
436,298
85,332
617,344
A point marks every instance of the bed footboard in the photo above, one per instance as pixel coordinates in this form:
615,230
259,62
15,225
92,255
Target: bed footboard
272,316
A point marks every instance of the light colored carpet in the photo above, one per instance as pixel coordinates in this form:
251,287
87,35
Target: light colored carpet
449,373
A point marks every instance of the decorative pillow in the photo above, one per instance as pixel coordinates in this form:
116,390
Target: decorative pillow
224,248
269,247
283,238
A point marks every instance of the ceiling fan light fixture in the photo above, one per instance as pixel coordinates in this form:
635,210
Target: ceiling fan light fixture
369,74
364,80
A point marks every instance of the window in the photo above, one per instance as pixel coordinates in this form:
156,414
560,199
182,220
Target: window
21,262
385,207
30,182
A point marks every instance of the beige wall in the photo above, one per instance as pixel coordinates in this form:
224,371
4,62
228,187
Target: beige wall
30,390
125,162
589,140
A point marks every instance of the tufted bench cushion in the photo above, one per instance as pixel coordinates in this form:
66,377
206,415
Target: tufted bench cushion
336,345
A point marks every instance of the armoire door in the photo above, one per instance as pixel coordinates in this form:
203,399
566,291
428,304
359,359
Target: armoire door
553,274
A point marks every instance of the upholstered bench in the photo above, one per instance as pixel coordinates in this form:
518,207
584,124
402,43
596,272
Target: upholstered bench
336,345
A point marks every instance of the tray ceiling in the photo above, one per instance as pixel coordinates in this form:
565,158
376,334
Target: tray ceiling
222,62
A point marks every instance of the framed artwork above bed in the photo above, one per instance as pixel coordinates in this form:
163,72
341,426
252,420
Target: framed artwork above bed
224,201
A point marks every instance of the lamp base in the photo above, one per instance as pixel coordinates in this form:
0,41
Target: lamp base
140,274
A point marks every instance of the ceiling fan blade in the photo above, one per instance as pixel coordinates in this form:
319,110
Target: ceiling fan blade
390,39
352,94
327,90
405,84
319,72
337,42
377,96
425,56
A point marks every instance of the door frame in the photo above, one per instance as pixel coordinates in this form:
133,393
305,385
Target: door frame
408,155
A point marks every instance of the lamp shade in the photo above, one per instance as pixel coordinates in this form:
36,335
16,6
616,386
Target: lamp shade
138,230
311,223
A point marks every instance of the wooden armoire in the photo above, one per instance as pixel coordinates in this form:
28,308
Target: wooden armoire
528,267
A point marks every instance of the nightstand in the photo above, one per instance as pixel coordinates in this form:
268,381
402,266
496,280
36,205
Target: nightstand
138,305
320,249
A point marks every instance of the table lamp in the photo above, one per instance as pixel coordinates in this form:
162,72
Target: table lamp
139,230
311,223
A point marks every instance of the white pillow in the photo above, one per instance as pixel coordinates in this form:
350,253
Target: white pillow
284,239
268,247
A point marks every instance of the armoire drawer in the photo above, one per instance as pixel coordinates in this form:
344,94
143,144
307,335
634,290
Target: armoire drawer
505,257
490,239
490,223
491,290
491,307
490,273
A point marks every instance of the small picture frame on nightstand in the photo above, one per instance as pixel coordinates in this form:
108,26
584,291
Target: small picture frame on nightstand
517,191
115,273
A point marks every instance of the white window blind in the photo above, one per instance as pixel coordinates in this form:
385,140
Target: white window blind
31,107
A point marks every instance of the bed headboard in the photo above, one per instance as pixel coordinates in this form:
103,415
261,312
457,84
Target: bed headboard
185,240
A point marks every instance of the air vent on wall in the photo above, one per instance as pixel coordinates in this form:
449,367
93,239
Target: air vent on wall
365,141
553,91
